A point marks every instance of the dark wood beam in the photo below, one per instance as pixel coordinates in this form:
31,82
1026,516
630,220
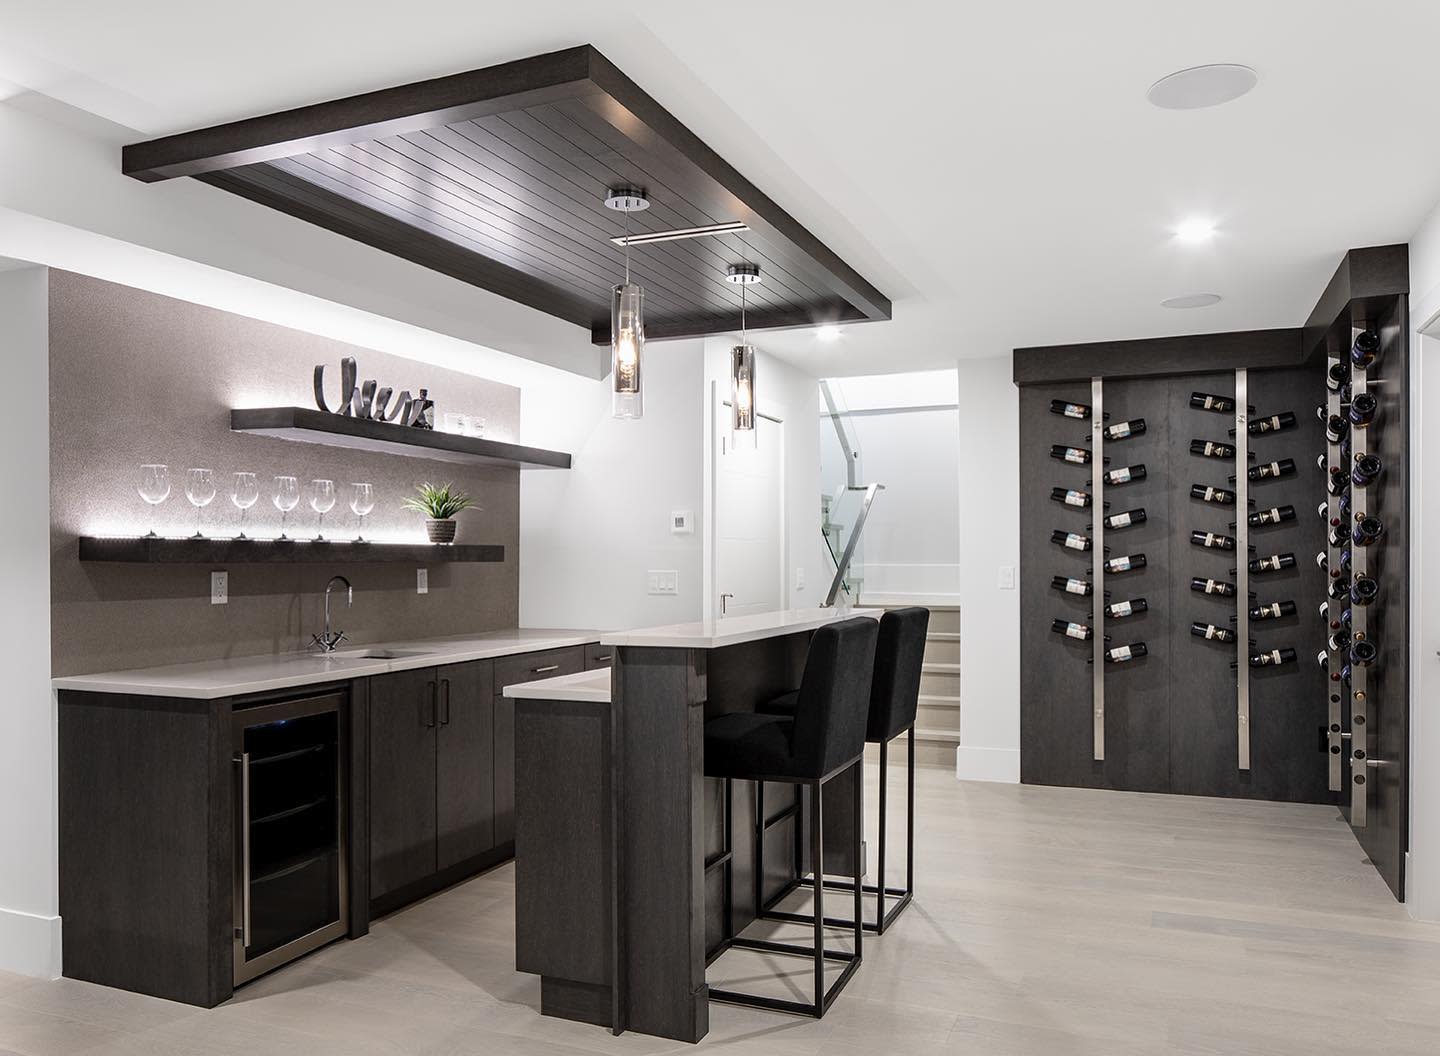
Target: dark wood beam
1149,357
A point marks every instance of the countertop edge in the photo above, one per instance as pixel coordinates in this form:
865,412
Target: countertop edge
717,638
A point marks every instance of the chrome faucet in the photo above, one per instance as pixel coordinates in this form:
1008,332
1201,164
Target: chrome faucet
327,642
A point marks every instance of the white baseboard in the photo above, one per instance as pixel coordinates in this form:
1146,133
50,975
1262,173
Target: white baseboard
987,764
29,944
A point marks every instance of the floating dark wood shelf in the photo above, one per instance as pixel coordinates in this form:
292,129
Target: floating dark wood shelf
318,427
138,549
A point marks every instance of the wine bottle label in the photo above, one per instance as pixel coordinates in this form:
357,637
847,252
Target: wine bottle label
1076,498
1075,410
1074,454
1270,516
1076,586
1077,542
1077,630
1212,587
1119,609
1270,564
1270,611
1120,520
1119,653
1272,657
1120,476
1272,470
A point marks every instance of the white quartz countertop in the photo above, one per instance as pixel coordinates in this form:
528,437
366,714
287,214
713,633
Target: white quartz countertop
733,630
210,679
593,687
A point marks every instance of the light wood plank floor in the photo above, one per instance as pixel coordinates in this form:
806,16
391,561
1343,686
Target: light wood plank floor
1049,921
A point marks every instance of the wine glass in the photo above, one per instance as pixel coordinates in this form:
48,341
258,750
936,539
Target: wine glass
200,490
154,489
286,498
362,501
322,501
244,493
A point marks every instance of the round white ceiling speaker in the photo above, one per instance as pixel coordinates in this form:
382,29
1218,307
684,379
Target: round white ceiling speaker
1202,86
1192,300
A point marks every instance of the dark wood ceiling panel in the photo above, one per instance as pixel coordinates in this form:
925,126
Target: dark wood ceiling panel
498,177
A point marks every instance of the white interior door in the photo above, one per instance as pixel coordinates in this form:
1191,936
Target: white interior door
750,520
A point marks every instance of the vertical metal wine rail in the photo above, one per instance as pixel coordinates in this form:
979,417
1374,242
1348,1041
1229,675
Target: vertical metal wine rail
1242,566
1097,560
1333,727
1359,619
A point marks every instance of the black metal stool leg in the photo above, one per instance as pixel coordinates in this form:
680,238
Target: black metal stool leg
759,847
884,810
817,851
858,840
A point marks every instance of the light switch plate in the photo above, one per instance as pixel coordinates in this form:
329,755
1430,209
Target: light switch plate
219,588
422,581
662,581
799,579
1007,577
682,522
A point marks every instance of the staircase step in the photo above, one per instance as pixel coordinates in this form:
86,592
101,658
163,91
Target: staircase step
942,648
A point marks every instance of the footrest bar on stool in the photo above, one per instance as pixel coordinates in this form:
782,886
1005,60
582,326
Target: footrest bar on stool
900,895
770,946
775,1004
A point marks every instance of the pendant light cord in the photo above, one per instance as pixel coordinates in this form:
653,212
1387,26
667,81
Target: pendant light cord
742,312
627,247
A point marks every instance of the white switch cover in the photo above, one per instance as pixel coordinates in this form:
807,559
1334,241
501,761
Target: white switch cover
219,588
1007,577
422,581
663,581
799,579
682,522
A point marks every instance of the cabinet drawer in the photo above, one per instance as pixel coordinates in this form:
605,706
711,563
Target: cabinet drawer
599,656
528,667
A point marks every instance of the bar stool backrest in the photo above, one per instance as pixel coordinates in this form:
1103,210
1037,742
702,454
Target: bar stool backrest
899,657
834,700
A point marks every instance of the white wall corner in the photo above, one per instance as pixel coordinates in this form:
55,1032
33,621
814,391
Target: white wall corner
29,944
987,764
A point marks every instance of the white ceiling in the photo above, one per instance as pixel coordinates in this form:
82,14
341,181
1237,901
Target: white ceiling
995,170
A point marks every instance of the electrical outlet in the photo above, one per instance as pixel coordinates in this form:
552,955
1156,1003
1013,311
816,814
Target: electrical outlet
219,588
799,579
663,581
422,581
1007,577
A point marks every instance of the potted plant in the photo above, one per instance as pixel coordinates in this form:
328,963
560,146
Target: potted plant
440,505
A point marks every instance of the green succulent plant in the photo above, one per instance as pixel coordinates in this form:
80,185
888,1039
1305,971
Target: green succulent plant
438,502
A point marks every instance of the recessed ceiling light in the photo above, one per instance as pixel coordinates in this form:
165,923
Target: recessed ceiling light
1195,230
828,333
1202,86
1192,300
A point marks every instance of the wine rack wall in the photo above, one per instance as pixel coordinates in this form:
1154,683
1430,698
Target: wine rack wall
1251,669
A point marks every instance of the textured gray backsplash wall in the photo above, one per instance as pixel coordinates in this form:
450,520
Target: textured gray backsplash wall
135,378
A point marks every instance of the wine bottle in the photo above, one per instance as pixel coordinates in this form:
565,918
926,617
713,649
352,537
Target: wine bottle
1076,456
1070,585
1364,590
1323,659
1211,633
1272,611
1273,563
1345,450
1205,401
1212,449
1128,563
1071,497
1322,561
1323,510
1365,348
1126,474
1342,507
1285,467
1079,411
1070,629
1123,653
1363,652
1367,531
1070,540
1128,519
1274,515
1123,609
1218,496
1272,658
1367,468
1324,612
1336,428
1211,540
1338,482
1272,424
1363,409
1125,430
1338,588
1212,586
1337,375
1320,461
1339,641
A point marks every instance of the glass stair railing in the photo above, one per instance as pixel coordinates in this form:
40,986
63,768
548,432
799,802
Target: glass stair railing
843,508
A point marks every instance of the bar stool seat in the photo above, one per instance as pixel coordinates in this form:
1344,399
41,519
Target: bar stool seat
824,736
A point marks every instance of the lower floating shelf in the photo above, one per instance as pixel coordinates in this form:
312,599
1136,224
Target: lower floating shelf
141,550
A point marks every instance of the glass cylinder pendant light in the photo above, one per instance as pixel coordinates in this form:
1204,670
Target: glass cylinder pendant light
742,366
627,318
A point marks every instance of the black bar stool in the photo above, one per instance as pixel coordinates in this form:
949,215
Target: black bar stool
823,736
894,697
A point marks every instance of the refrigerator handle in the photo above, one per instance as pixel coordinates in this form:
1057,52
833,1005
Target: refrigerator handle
444,702
243,762
430,719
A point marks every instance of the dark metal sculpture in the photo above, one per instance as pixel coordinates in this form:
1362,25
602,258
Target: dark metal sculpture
369,402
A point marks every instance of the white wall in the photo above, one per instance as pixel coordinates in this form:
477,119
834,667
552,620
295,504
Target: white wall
589,535
29,924
1422,883
989,540
905,426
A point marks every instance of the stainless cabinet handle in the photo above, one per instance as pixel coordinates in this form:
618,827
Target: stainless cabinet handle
243,759
444,702
605,659
430,721
543,670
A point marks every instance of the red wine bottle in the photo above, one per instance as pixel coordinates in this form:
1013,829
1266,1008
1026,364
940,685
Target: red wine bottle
1206,401
1336,428
1364,590
1211,633
1217,496
1070,497
1081,411
1365,348
1123,609
1212,449
1273,563
1125,475
1079,631
1285,467
1070,585
1367,468
1128,519
1212,586
1272,658
1274,515
1211,540
1125,430
1337,376
1070,540
1363,652
1076,456
1272,611
1367,531
1338,482
1128,563
1363,409
1273,423
1124,653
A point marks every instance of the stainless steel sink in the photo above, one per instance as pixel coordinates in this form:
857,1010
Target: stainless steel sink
375,654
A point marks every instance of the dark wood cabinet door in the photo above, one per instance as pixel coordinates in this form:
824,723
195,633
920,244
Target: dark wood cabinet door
465,790
597,656
403,726
510,671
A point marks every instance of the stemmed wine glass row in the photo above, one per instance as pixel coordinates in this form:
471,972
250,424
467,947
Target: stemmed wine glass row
200,490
